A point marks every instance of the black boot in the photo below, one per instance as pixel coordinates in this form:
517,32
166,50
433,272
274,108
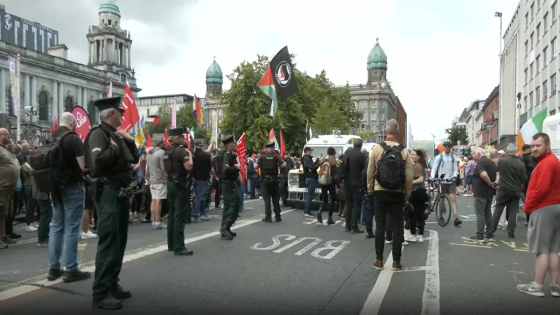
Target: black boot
119,293
108,303
54,274
330,221
226,235
230,232
356,230
369,234
267,219
319,218
278,218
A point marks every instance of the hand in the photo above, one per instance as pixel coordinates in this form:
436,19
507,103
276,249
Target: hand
124,134
453,179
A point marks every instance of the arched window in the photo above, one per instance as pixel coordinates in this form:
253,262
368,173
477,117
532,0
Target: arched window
68,104
91,112
43,106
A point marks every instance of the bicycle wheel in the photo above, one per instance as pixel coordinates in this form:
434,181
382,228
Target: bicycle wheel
443,210
431,200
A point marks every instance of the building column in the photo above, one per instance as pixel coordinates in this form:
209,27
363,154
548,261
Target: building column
128,59
85,100
61,99
104,54
3,91
79,96
34,98
27,92
54,104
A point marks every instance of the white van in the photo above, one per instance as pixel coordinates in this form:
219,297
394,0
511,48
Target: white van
551,126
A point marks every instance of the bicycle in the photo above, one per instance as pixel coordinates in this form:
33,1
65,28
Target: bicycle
442,204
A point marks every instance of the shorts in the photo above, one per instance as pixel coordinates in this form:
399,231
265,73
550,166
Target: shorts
468,180
158,191
462,175
543,234
6,203
449,188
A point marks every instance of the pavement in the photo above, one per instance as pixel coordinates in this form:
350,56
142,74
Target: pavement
297,266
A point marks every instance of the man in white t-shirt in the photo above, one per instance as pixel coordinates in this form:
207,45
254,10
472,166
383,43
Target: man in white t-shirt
445,165
157,179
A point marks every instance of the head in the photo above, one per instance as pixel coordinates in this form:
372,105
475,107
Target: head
447,146
308,151
16,149
392,129
526,149
540,144
67,120
493,153
159,142
111,116
358,144
418,156
178,140
25,147
5,137
198,145
511,149
501,154
479,153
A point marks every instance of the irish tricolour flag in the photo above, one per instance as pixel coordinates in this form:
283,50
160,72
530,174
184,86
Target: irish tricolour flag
530,128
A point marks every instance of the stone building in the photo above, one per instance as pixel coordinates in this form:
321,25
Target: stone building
213,111
375,99
403,126
149,105
52,84
489,128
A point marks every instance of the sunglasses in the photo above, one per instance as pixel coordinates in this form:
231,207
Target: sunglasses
447,146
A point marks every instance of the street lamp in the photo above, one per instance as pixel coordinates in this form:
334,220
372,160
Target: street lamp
517,111
499,14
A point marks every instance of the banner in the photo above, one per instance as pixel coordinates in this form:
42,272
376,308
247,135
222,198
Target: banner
174,114
272,137
267,86
14,84
242,158
215,128
283,73
83,125
130,116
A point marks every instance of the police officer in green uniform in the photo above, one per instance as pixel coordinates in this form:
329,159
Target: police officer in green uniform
109,156
229,173
284,179
269,163
177,162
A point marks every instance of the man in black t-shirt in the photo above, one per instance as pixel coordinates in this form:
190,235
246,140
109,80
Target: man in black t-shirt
484,189
202,165
69,205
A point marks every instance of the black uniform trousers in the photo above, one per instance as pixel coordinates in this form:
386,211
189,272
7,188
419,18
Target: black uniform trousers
271,192
112,229
284,189
178,198
353,205
231,202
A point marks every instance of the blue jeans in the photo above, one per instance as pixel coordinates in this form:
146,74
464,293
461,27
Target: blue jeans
365,205
241,192
200,205
312,185
65,228
45,208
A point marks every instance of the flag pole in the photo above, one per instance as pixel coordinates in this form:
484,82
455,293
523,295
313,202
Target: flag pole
18,118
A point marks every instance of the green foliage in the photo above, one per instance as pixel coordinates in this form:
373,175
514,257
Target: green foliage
185,118
317,100
459,134
202,133
365,134
164,114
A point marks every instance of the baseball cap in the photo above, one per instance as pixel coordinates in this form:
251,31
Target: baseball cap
502,152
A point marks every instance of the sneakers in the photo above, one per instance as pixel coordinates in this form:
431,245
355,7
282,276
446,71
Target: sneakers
378,264
555,290
307,215
457,222
489,239
87,236
419,238
3,244
479,240
158,226
30,228
204,217
75,275
531,289
388,241
54,274
42,244
8,240
409,237
397,266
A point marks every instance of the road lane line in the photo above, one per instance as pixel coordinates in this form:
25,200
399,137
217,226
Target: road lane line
469,245
421,268
36,283
430,298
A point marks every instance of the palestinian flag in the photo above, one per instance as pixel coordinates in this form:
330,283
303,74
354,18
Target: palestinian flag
267,86
530,128
153,119
272,137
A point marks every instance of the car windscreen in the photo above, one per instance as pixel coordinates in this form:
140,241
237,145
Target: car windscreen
322,151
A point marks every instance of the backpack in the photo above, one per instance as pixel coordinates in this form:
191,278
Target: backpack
48,164
325,177
341,170
168,164
391,168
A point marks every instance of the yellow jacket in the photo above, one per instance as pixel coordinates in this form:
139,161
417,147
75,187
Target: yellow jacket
374,157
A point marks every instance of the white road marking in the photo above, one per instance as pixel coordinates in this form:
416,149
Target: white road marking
430,298
328,246
421,268
130,256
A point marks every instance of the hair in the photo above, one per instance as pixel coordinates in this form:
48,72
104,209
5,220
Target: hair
543,135
493,153
525,147
331,156
392,126
66,118
358,143
422,156
480,150
511,149
159,141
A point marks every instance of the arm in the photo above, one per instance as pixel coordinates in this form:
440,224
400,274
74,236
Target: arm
419,180
371,171
187,160
538,186
484,176
81,163
103,153
435,166
280,162
161,165
408,176
455,170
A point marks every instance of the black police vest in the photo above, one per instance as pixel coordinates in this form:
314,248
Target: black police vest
269,166
172,163
230,159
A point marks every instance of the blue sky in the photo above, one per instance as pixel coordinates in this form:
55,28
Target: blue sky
442,55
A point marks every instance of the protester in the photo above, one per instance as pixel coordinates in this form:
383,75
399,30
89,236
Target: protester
484,188
9,175
311,178
202,166
418,196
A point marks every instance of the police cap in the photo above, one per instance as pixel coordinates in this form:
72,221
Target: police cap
198,143
227,139
176,131
106,103
270,144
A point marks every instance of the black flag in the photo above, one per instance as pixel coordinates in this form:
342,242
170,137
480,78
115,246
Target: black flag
283,73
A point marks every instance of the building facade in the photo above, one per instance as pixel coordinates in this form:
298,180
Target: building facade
51,84
214,111
375,99
402,120
149,105
489,128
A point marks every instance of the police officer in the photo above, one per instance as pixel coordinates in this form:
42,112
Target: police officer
269,163
284,179
228,173
110,154
177,162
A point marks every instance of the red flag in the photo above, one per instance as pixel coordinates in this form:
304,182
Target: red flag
149,142
166,138
282,145
242,157
131,116
188,138
153,118
54,124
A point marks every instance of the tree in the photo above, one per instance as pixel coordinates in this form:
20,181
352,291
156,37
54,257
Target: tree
164,114
365,134
459,134
184,118
328,118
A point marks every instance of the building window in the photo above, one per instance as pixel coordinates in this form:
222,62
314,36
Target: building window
538,5
545,21
43,106
544,56
553,49
553,84
526,48
123,78
553,11
525,104
530,100
91,112
68,104
527,20
531,70
532,12
537,60
539,32
532,40
382,105
373,104
552,112
526,77
545,90
537,95
110,19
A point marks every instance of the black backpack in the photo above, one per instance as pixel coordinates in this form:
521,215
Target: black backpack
48,165
391,168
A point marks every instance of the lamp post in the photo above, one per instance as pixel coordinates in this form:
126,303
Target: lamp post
517,109
499,14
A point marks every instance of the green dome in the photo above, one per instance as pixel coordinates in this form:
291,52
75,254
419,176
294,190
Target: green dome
377,58
214,73
109,6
